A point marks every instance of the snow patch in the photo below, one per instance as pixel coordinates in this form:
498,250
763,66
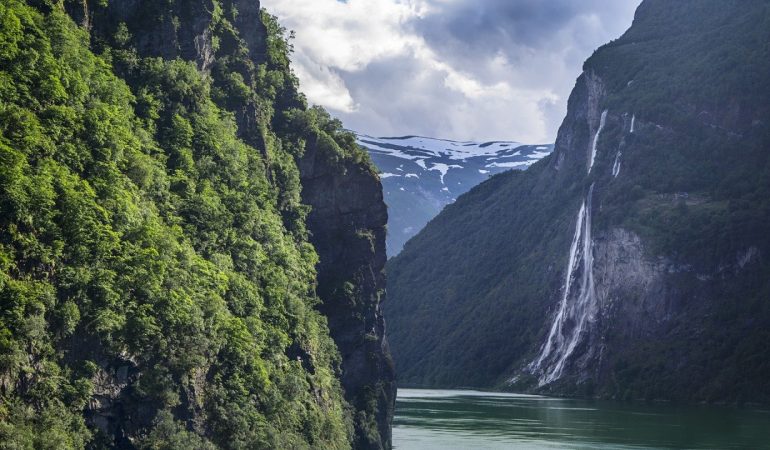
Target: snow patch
539,155
433,147
511,164
535,157
443,169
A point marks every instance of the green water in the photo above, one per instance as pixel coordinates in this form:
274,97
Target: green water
441,419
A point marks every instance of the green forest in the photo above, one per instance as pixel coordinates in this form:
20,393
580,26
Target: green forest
141,229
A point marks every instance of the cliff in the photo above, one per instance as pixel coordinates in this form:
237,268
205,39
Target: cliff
631,262
348,224
191,257
347,214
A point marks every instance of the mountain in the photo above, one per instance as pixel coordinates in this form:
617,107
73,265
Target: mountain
190,256
420,175
631,263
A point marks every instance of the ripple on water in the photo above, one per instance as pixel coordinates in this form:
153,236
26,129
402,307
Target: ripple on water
445,419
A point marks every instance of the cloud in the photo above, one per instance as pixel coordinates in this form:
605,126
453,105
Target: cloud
323,85
457,69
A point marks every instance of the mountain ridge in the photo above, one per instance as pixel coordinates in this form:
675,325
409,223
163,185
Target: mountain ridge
422,175
629,264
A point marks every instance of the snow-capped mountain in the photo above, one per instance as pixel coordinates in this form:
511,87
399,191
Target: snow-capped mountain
422,175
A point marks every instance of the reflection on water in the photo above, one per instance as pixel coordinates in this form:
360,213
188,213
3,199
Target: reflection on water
441,419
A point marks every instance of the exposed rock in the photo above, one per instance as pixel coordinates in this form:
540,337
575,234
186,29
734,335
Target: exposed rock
182,30
347,223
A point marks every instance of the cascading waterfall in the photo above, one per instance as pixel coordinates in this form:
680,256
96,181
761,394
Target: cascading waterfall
572,320
576,309
602,122
555,336
616,166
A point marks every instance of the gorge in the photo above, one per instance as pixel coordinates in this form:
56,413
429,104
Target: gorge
192,256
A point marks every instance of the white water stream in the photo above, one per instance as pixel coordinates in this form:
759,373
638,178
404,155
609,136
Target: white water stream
616,166
577,308
575,311
602,122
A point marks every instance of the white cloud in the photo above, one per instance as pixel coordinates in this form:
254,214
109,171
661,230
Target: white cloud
390,67
334,37
347,35
323,85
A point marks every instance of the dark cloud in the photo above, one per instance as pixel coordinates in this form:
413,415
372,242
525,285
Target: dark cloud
402,96
469,32
466,69
495,24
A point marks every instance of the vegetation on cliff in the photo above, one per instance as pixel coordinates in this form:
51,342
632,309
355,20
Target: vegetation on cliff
157,286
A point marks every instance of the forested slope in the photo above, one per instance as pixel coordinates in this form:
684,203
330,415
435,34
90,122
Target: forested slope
158,283
632,262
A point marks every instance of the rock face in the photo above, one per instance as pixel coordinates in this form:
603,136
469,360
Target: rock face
347,223
176,30
184,29
629,263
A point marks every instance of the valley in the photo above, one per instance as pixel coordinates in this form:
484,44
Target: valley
196,251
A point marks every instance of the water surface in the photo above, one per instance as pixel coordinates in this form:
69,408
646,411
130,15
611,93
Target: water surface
443,419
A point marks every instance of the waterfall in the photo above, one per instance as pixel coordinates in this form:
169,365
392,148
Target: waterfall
555,336
602,122
575,311
578,306
633,123
616,166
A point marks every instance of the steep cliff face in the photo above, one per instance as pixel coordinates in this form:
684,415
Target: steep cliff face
225,39
189,255
630,263
347,217
348,224
347,214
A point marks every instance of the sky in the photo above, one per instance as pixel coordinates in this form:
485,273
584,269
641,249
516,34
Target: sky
453,69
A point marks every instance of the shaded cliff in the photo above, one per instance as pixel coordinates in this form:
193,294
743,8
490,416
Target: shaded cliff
631,263
348,224
167,197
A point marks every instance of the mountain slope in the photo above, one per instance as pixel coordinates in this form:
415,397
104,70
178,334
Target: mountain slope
632,262
159,284
421,175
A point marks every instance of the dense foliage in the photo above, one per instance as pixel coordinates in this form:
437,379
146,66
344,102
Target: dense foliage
141,231
472,296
